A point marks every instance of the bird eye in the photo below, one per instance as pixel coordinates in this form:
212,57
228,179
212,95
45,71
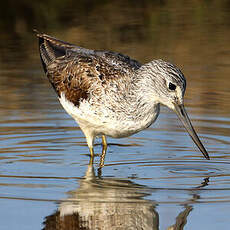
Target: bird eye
172,86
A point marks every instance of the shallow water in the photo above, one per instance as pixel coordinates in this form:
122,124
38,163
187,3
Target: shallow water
156,179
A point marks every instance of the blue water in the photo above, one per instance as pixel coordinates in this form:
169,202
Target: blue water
156,179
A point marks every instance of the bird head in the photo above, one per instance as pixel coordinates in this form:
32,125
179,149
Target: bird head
167,86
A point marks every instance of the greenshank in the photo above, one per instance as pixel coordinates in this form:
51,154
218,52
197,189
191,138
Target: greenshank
110,94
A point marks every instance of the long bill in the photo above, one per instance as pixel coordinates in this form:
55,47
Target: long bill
183,116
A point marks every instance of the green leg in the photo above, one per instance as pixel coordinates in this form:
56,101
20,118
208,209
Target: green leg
104,148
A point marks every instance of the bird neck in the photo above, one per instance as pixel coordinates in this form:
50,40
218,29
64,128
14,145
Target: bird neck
141,104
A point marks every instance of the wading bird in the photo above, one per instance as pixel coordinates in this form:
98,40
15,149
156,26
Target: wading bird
109,94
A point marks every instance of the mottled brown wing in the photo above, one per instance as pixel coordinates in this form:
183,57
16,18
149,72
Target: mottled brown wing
72,70
70,77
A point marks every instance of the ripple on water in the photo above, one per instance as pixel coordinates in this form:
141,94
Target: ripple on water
42,158
174,181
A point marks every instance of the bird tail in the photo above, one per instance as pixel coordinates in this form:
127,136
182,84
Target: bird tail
51,48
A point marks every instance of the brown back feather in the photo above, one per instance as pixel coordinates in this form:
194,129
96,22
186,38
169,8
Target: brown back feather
72,70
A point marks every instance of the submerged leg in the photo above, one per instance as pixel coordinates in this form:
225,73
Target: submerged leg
104,148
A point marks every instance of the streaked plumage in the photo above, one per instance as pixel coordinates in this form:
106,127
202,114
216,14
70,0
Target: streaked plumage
109,94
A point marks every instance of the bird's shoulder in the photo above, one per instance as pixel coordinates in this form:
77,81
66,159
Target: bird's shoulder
78,73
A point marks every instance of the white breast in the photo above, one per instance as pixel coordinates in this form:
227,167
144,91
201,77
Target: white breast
105,122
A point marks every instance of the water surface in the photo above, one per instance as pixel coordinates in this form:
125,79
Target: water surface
156,179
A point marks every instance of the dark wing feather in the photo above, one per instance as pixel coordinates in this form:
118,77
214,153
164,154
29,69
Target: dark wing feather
119,60
51,48
72,70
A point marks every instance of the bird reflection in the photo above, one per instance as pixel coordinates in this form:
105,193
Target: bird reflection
110,203
105,203
181,219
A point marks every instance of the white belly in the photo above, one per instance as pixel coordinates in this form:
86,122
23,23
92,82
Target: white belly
103,124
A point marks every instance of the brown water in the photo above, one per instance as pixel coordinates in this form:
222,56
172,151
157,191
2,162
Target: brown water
156,179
